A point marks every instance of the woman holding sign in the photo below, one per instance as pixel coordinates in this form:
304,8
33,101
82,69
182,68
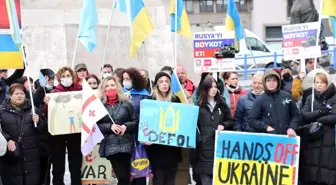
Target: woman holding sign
319,154
118,141
163,159
214,115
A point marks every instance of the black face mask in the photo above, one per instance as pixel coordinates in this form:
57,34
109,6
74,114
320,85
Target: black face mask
233,87
286,76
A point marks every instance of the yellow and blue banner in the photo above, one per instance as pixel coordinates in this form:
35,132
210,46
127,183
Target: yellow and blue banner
166,123
10,42
329,8
255,159
332,24
177,89
233,23
140,24
89,19
182,25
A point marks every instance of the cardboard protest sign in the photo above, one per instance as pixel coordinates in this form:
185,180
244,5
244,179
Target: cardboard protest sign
10,55
299,41
167,123
255,159
96,170
205,46
65,113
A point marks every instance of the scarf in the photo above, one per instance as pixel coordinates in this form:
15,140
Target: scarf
112,101
17,107
232,89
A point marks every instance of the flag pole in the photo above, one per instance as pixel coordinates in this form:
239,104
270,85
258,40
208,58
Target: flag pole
317,44
176,39
75,51
28,79
107,38
150,81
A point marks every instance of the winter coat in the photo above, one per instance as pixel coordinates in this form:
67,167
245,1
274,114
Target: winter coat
162,155
288,85
122,113
243,108
274,109
190,87
234,95
319,164
27,166
207,123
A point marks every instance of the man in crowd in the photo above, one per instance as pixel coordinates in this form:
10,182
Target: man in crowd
186,83
81,72
287,79
6,81
107,70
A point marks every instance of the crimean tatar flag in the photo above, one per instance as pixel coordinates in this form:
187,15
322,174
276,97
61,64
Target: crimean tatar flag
89,19
183,26
92,111
233,23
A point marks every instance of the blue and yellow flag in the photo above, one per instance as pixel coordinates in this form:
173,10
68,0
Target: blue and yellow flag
120,5
329,8
332,24
89,19
141,25
182,24
177,89
233,23
10,55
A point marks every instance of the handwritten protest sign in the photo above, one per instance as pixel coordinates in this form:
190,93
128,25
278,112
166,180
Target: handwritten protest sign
96,170
205,46
10,55
166,123
299,41
255,159
65,113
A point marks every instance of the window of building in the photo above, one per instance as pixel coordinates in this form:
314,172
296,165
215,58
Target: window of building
255,45
189,5
206,6
222,5
289,7
274,37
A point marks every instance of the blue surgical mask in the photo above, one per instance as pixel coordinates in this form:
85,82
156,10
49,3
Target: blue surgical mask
49,87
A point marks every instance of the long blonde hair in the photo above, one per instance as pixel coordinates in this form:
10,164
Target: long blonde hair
159,96
120,92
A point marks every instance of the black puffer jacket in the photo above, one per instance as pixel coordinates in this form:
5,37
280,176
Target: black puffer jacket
275,109
320,155
207,124
27,167
162,155
122,113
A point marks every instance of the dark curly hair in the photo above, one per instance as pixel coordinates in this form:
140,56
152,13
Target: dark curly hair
93,76
137,80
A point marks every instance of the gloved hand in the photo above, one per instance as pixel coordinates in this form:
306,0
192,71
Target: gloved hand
324,112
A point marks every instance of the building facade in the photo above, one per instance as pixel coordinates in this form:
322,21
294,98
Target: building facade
263,17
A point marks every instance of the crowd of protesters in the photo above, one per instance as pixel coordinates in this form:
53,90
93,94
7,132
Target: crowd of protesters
278,103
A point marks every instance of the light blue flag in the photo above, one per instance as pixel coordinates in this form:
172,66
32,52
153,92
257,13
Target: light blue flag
89,19
14,22
42,80
120,5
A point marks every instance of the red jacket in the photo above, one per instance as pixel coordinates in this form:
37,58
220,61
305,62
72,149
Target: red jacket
190,87
234,97
61,88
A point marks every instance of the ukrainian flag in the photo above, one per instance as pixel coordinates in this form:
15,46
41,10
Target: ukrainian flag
120,5
177,90
140,23
10,55
329,8
183,26
332,23
233,23
89,19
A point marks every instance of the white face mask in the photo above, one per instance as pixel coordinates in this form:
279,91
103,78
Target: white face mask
66,82
49,87
105,75
127,84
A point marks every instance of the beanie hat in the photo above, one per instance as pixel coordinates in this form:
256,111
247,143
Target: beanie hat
161,74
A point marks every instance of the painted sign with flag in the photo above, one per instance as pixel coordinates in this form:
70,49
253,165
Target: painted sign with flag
94,138
10,37
92,111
